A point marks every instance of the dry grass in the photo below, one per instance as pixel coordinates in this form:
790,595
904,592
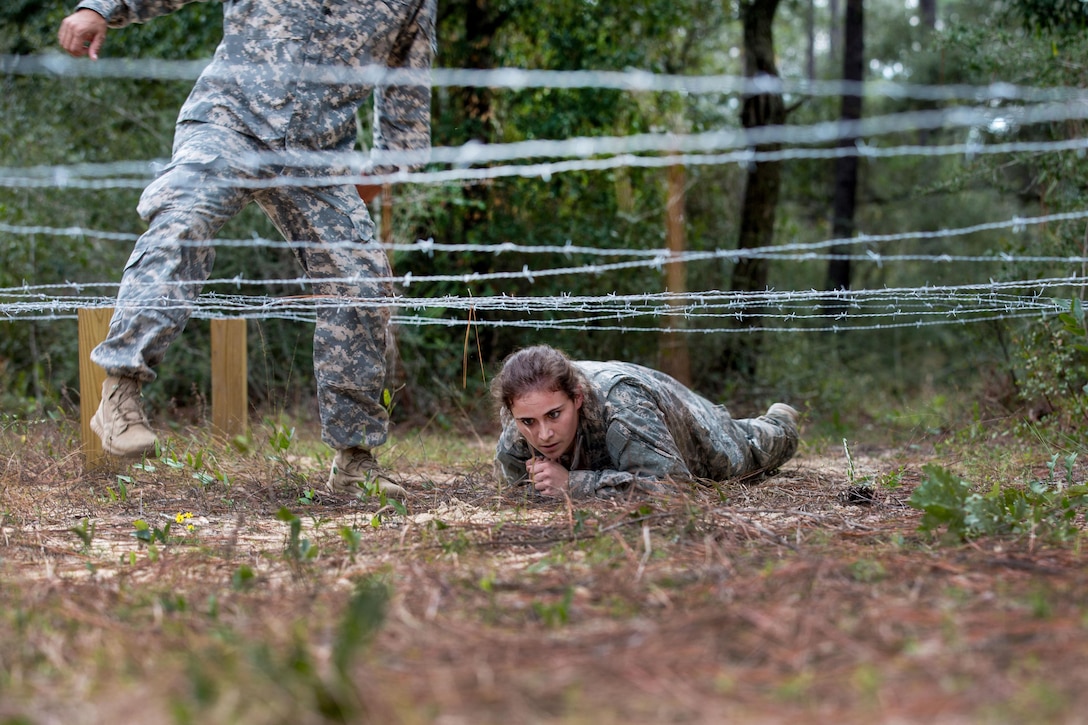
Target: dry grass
777,602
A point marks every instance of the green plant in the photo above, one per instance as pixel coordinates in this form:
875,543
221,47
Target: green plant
352,538
84,531
362,618
1046,509
280,440
298,548
555,614
892,479
121,494
386,505
867,571
149,534
1053,374
852,476
243,578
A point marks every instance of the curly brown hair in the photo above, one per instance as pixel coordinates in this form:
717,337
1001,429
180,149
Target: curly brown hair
540,367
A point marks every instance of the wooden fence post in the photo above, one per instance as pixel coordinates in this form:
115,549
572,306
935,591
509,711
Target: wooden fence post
230,378
94,323
675,356
230,373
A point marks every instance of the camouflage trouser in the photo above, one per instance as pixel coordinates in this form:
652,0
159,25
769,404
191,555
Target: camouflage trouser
190,201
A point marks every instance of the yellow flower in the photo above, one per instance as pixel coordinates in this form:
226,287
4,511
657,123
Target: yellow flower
183,517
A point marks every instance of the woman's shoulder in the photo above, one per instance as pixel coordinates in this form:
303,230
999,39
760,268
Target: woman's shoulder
620,384
605,375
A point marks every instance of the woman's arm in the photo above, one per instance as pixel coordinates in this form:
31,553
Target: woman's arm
511,453
640,446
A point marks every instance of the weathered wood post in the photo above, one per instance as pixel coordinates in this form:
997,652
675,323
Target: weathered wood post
230,378
230,374
94,323
675,355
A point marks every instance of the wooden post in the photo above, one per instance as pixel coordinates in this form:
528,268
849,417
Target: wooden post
230,376
93,323
675,356
230,394
387,217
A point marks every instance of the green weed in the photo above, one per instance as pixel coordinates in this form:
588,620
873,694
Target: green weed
84,531
555,614
1045,509
297,549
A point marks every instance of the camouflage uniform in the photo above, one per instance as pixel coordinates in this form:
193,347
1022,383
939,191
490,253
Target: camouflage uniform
639,427
249,101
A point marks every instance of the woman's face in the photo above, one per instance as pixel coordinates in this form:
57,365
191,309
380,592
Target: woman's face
548,420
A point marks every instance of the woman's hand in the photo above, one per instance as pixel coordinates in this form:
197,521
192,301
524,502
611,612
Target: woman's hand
548,477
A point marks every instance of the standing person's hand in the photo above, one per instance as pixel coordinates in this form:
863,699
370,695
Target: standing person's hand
82,33
548,477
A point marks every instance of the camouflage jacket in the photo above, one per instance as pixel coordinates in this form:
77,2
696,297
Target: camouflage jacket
640,427
265,79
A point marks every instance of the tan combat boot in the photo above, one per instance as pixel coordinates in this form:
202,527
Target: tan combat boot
355,469
120,421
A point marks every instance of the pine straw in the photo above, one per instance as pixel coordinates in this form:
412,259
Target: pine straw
776,602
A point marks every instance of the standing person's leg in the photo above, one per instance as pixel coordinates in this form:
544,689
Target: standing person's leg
351,338
185,207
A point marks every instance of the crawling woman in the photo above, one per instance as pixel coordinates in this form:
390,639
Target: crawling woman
582,428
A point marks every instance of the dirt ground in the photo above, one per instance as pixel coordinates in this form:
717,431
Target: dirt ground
256,601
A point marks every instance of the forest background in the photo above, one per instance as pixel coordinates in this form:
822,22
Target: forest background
1021,365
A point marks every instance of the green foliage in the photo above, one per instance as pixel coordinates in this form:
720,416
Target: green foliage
386,505
243,578
84,532
1043,509
555,614
1052,371
852,475
148,534
362,618
1059,16
942,496
297,549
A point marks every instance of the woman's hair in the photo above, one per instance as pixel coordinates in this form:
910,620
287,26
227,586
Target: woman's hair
539,367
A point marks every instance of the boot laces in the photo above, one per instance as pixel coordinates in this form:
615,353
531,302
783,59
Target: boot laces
127,409
361,461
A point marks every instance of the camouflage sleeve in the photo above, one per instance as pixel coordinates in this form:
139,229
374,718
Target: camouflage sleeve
510,457
402,113
119,13
642,449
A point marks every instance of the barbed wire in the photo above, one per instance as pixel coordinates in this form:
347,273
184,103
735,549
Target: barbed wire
999,109
673,150
834,310
516,79
800,251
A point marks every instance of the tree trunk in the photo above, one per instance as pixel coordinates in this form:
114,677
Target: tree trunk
674,351
834,32
761,190
846,167
929,13
810,40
